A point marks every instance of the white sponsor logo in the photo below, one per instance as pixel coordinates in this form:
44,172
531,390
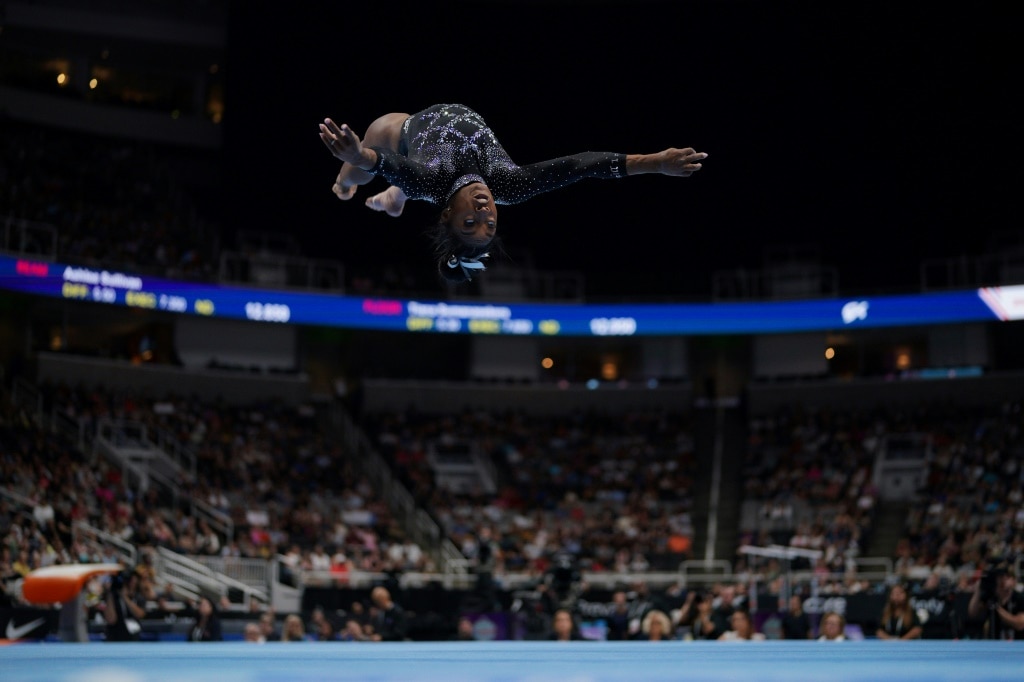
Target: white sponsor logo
855,310
1007,303
19,631
823,605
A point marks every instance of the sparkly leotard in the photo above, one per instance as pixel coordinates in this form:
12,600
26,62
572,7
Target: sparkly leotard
447,146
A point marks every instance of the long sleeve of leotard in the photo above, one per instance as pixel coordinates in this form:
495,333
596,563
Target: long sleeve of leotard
519,183
510,184
417,180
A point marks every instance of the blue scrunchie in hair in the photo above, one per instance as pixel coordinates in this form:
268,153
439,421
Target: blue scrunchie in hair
467,264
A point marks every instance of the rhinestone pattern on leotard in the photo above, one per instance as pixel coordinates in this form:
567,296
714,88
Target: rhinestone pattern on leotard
450,146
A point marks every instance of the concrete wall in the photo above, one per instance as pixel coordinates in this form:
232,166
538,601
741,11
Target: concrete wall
156,380
383,394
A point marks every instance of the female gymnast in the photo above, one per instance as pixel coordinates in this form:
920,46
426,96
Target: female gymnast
447,155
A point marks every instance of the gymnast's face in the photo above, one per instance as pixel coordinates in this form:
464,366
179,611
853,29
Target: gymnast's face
472,215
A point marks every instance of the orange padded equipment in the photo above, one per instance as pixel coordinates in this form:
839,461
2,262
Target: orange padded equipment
62,583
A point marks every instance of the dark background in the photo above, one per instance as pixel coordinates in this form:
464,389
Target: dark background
874,135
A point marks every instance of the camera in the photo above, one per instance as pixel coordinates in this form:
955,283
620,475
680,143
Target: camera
989,581
119,580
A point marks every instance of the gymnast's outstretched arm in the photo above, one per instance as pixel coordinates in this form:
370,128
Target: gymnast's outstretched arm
675,162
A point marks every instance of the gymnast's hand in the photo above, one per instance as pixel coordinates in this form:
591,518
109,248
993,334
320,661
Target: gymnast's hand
344,144
679,162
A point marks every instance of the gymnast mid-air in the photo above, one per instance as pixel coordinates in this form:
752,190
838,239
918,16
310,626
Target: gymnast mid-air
448,156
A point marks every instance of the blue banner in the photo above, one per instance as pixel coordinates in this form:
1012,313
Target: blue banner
77,283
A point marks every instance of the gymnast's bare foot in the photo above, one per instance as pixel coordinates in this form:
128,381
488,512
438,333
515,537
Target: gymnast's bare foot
341,188
390,201
344,193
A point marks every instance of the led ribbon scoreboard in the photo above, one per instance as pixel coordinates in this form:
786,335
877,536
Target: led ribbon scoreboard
78,283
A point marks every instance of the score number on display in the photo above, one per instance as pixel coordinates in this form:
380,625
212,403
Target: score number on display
613,326
267,312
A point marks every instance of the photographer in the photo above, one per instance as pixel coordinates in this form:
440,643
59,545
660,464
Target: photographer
122,613
996,599
562,581
488,553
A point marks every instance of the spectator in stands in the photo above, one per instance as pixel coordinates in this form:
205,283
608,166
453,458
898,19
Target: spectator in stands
43,511
563,627
341,567
725,605
832,627
796,624
23,565
293,629
405,555
353,631
319,560
291,565
268,627
167,601
8,578
464,631
231,549
899,619
619,617
655,627
467,180
207,541
206,626
357,611
388,618
741,628
322,628
698,617
252,633
145,569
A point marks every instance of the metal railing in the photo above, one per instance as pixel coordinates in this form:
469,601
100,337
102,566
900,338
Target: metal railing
775,283
123,441
219,521
104,539
281,270
135,476
256,573
189,573
172,446
421,527
159,444
1004,266
17,497
73,429
26,395
30,238
704,571
691,574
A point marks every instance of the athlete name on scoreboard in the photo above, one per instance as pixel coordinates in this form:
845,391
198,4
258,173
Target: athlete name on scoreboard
102,286
114,280
476,319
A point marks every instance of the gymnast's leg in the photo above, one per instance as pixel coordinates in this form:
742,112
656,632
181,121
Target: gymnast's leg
386,131
390,201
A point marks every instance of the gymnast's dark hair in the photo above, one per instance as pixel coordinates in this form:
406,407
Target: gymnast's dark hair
459,260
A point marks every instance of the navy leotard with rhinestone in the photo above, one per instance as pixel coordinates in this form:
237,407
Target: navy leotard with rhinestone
447,146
